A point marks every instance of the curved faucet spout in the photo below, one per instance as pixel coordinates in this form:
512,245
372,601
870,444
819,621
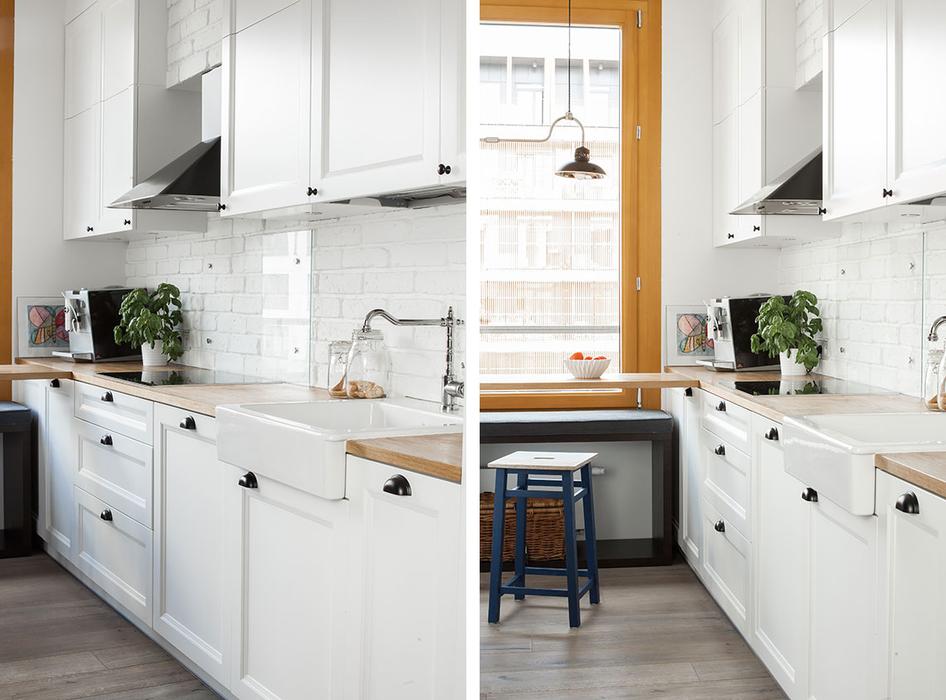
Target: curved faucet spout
934,330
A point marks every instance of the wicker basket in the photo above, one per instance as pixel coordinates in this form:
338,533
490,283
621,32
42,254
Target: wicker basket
545,529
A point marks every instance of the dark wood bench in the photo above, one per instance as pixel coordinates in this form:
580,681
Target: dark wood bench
624,425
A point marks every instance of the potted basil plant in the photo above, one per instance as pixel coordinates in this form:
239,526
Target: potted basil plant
151,321
787,329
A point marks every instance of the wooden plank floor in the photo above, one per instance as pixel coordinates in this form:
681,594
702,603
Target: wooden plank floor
60,641
656,633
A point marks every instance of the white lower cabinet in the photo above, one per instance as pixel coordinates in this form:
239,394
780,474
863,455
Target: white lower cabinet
726,565
684,406
114,551
407,625
59,457
287,589
190,562
913,568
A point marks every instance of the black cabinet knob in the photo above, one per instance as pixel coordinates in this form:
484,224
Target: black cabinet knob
809,495
107,397
730,235
89,229
221,206
189,423
107,440
756,227
822,211
719,526
312,191
248,481
771,434
127,222
397,485
887,193
441,169
908,503
54,383
721,406
106,515
720,450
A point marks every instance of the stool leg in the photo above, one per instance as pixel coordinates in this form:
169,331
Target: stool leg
522,482
496,561
571,549
591,538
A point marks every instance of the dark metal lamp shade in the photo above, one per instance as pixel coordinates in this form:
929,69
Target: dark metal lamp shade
581,168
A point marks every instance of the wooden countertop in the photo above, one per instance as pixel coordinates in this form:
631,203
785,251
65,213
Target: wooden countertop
435,455
924,469
547,382
778,407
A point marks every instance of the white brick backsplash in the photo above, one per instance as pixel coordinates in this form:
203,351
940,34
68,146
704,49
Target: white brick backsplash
266,315
194,36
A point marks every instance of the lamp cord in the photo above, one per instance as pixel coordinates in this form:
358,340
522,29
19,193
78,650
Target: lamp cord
569,56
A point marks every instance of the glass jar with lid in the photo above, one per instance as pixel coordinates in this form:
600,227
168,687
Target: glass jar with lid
338,367
933,382
369,368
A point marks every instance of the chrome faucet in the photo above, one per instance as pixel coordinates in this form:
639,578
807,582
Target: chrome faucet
452,388
933,336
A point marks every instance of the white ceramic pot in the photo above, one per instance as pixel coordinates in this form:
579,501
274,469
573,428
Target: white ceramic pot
791,368
153,357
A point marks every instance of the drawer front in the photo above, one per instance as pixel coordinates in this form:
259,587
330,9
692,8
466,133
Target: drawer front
116,412
116,469
726,566
115,552
727,478
195,424
727,420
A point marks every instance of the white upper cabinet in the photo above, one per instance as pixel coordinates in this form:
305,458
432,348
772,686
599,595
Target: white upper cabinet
267,96
121,123
725,67
332,100
912,573
883,147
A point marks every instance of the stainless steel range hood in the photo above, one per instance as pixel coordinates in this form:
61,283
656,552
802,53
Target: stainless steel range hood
796,192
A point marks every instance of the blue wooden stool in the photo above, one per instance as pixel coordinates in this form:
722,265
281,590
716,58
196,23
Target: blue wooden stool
525,466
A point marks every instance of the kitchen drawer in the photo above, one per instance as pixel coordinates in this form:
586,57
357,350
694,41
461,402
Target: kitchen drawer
116,412
726,420
726,566
727,478
115,552
194,424
116,469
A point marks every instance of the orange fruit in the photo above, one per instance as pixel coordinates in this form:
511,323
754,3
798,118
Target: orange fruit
576,356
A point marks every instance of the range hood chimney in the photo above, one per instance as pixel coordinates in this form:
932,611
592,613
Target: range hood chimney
190,182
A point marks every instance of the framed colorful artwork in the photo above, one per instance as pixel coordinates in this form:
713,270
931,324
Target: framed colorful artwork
685,335
41,326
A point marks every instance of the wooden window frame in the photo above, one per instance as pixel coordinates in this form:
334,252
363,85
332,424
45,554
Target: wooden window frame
640,196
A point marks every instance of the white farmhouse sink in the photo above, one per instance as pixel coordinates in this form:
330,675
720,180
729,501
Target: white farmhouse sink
834,454
303,444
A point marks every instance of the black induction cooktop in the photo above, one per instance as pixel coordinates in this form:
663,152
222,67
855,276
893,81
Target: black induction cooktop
180,376
803,386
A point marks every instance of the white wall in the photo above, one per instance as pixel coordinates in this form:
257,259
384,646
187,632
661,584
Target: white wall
693,270
44,264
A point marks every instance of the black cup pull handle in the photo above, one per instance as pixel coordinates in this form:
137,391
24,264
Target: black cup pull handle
771,434
106,515
248,481
719,526
688,392
107,397
721,406
54,383
107,440
189,423
810,495
908,503
720,450
397,485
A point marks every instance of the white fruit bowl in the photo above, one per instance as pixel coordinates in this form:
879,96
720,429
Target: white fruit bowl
587,369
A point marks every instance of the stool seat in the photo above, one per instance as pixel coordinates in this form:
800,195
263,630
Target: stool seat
539,461
553,470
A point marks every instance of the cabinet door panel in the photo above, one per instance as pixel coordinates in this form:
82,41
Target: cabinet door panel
856,113
914,572
750,145
752,57
453,91
287,600
249,12
61,448
266,85
189,487
408,643
917,153
81,169
694,471
380,132
843,609
118,46
726,556
83,61
118,158
725,67
725,180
